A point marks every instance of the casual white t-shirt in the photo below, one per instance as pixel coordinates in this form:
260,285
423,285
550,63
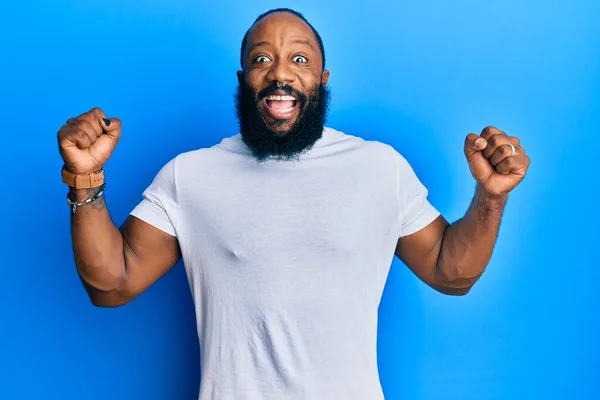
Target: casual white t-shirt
287,261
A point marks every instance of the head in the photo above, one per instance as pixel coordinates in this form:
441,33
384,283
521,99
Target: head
282,98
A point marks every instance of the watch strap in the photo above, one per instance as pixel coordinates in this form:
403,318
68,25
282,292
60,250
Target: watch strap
83,181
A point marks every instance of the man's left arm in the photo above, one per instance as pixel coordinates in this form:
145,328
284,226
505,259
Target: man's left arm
451,258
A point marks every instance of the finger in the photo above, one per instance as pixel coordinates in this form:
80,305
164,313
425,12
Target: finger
86,127
497,138
488,134
501,153
75,137
102,124
495,141
93,117
514,164
473,144
490,131
111,136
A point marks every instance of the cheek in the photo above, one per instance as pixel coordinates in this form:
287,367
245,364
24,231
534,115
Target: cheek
309,80
256,77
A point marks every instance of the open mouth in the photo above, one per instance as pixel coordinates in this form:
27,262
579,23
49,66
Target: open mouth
281,106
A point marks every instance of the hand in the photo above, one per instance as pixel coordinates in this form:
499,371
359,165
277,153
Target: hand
86,142
492,163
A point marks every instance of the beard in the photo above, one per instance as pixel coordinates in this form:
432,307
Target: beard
289,144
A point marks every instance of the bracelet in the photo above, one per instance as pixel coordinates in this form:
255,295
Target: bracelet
75,204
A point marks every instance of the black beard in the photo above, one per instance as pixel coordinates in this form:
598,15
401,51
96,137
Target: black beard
265,143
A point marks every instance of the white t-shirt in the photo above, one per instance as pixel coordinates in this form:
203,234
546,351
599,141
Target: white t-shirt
287,261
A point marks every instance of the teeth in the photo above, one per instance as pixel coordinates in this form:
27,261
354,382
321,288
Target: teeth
280,98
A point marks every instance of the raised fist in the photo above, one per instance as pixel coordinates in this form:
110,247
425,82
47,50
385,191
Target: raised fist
497,161
86,142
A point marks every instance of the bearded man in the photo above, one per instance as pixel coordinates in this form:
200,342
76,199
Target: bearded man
286,230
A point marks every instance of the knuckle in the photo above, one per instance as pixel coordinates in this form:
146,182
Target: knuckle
77,134
96,111
488,130
75,122
85,125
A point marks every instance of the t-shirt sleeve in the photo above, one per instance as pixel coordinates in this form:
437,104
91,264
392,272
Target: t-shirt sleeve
158,206
416,212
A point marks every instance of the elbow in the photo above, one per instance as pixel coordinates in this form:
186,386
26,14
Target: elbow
101,302
454,291
106,298
448,276
454,283
456,286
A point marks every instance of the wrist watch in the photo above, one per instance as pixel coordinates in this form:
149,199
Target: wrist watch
83,181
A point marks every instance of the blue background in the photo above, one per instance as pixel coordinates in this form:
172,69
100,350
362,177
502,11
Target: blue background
418,75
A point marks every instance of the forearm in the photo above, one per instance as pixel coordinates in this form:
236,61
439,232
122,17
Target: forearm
97,243
468,243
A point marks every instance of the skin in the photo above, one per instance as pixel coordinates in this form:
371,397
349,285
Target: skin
117,264
451,258
282,48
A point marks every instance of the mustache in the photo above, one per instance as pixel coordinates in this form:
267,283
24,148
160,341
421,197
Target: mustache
286,88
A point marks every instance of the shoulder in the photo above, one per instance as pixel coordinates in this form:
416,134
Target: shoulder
382,159
375,151
213,156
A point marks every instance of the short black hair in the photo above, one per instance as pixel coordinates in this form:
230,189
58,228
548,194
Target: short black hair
275,10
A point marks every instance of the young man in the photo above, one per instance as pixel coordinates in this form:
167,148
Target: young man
287,230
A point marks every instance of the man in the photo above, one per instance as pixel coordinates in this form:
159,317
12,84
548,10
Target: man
287,230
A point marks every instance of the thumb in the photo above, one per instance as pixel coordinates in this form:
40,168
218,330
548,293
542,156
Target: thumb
111,126
106,143
473,144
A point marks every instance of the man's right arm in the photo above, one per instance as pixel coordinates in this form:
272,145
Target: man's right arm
115,265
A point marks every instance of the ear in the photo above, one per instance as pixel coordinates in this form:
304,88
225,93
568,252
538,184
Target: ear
325,77
240,76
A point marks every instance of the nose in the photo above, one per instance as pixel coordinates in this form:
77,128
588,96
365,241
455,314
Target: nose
280,72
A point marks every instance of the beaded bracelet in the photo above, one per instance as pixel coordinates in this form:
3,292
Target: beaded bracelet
75,204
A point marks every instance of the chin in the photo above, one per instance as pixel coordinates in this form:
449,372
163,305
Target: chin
280,127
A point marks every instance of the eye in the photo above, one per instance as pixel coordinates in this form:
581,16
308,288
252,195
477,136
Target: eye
300,59
262,59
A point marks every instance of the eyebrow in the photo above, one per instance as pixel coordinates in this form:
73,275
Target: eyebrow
295,41
257,44
306,42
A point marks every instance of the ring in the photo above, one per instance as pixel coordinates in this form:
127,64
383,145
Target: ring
513,149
